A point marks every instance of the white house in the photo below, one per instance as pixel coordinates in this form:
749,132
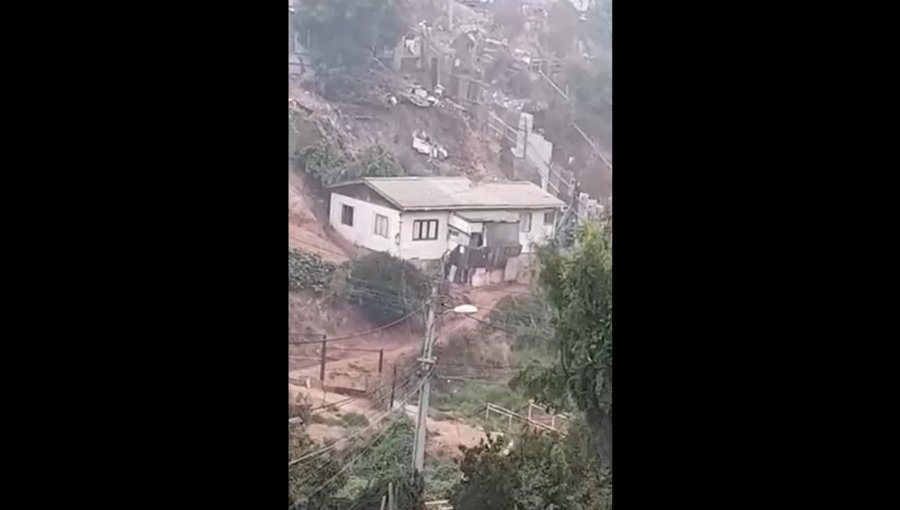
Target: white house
479,230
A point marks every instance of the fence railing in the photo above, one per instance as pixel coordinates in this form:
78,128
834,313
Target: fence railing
512,416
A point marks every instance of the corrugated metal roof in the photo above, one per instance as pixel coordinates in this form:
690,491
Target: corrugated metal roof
423,193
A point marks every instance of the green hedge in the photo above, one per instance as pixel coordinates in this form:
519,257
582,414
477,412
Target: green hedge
385,287
308,272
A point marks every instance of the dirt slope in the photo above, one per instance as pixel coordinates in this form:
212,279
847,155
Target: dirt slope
305,231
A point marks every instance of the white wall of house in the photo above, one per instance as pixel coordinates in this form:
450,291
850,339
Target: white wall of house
457,238
539,233
459,223
362,232
425,250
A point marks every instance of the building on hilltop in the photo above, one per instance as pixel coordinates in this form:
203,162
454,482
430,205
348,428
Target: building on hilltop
479,232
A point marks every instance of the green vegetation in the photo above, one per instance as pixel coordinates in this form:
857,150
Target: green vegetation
528,317
482,357
578,286
385,287
570,321
345,33
307,271
387,461
467,400
309,486
542,471
352,419
372,465
321,419
441,477
330,163
349,420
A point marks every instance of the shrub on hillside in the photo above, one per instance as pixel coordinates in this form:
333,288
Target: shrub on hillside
527,318
308,272
385,287
331,163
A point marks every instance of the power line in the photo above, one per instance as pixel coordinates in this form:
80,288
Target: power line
361,431
381,391
486,323
365,449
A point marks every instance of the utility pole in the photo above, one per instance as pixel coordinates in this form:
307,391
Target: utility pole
322,367
450,16
424,394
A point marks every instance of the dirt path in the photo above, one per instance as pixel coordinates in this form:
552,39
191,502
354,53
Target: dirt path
399,342
444,436
355,369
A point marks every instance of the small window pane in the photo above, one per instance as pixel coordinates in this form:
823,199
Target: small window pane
381,225
347,215
425,230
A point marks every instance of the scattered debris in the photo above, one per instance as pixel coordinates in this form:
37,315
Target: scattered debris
420,97
423,144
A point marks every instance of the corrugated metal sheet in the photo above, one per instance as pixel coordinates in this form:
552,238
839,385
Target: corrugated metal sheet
429,193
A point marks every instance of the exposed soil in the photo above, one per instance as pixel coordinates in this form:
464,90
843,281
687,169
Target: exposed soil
305,231
350,368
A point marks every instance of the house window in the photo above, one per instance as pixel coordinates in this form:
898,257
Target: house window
425,230
381,225
549,218
525,222
347,215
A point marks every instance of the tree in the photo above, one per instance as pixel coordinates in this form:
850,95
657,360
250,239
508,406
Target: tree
313,485
541,471
357,476
388,462
385,287
331,162
578,286
346,32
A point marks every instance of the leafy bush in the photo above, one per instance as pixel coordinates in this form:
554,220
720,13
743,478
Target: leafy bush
307,271
388,462
307,487
352,419
385,287
541,471
330,163
376,161
528,317
299,408
325,160
441,476
326,420
467,399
